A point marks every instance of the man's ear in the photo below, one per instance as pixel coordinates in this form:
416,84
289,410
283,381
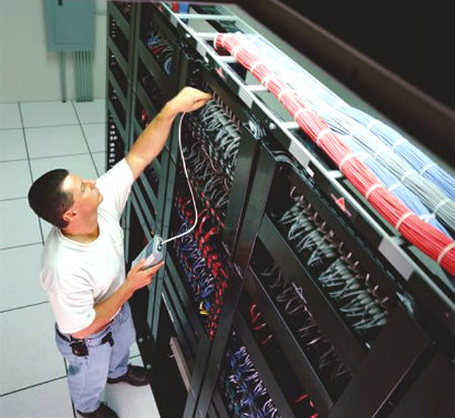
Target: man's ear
69,215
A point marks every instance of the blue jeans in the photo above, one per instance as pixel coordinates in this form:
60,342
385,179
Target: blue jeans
87,375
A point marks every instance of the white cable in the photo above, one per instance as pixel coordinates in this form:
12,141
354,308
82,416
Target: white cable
189,186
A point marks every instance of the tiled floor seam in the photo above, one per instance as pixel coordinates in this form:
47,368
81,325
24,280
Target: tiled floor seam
13,198
85,139
12,247
14,160
31,305
50,126
60,155
10,129
32,386
29,163
45,101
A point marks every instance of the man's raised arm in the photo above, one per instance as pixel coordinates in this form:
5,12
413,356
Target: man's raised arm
151,141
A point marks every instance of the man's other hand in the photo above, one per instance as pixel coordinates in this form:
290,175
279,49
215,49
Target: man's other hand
189,99
138,278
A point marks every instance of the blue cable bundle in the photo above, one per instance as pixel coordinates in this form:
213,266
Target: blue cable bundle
402,147
394,185
244,391
197,274
317,97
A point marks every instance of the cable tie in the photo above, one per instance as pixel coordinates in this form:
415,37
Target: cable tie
235,50
356,128
215,39
399,142
444,251
394,186
339,104
372,188
266,80
322,134
362,156
377,152
426,167
223,39
427,217
283,92
371,124
440,205
346,158
406,175
302,111
402,219
255,64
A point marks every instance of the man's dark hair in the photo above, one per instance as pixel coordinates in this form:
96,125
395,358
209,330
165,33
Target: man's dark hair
47,198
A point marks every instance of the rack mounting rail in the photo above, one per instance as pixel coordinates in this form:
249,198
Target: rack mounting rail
419,274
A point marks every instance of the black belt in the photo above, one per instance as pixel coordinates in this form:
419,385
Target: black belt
78,345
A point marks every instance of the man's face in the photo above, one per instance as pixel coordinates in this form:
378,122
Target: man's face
85,194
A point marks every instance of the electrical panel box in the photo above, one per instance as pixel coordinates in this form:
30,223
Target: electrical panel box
70,25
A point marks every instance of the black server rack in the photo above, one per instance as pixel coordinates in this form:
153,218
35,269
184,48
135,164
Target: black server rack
245,317
117,83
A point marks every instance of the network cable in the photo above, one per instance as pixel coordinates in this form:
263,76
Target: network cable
424,236
291,301
359,300
182,156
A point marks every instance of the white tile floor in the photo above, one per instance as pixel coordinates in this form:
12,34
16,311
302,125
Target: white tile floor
35,138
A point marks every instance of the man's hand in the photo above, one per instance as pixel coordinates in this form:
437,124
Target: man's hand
105,311
188,99
152,140
138,278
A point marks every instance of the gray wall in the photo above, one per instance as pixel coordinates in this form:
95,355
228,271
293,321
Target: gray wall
27,71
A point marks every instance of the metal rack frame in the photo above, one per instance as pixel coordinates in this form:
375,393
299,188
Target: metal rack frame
403,348
418,272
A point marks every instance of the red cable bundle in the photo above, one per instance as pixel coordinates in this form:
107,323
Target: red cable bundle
423,235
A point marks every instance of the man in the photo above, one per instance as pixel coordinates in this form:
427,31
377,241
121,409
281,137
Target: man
83,264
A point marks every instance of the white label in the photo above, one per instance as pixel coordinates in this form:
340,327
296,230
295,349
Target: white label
246,97
309,170
394,256
298,151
